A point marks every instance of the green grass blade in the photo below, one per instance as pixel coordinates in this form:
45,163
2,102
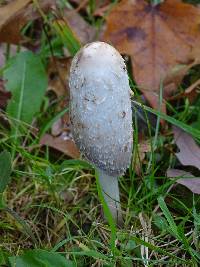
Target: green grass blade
67,36
5,170
192,131
25,226
168,216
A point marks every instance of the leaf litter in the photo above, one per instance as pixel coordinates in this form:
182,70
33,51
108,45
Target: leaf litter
15,15
189,151
60,138
186,179
188,155
162,41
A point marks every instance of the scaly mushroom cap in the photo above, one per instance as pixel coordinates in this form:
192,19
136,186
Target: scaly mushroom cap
100,108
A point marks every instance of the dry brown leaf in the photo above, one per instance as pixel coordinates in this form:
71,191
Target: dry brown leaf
11,22
9,11
4,98
4,95
163,42
189,151
79,26
58,73
61,143
83,4
15,15
57,127
143,148
186,179
2,57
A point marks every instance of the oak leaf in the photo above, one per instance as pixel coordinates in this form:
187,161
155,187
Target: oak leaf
16,14
162,41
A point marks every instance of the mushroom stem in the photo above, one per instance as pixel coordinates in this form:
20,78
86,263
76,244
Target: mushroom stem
101,116
110,191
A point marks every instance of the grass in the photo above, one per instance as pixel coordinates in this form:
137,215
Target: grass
58,200
52,202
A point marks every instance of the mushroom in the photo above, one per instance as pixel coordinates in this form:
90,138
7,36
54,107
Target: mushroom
101,116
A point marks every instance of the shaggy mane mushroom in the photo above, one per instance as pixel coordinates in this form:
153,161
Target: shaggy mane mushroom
101,116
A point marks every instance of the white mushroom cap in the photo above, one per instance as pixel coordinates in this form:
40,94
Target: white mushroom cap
100,108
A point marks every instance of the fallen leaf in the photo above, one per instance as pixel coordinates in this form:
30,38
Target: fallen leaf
8,11
57,127
189,151
11,22
80,27
2,57
58,73
83,5
143,148
188,180
100,7
4,98
73,31
61,143
162,40
15,15
4,95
